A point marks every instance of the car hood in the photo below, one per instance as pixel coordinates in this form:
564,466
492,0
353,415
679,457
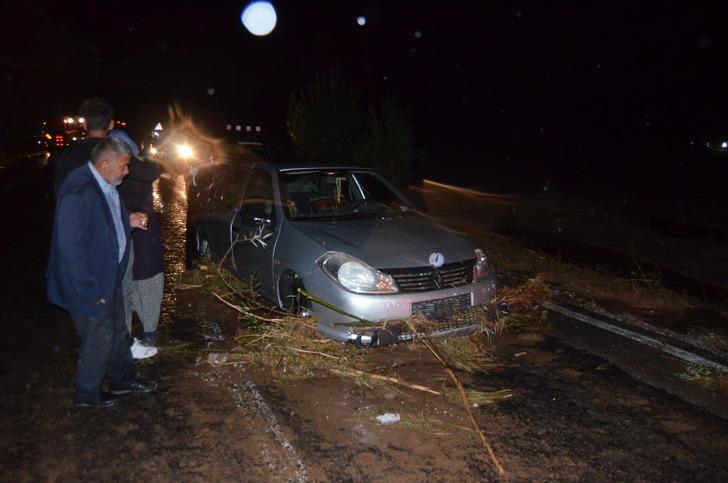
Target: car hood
389,242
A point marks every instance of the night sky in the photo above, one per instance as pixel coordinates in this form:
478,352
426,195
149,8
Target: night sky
549,86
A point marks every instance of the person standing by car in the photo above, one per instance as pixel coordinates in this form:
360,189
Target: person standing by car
88,260
145,280
97,119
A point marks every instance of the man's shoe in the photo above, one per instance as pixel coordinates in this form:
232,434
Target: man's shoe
106,401
140,350
136,386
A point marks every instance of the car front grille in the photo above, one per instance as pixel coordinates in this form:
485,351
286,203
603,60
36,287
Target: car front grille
421,279
442,308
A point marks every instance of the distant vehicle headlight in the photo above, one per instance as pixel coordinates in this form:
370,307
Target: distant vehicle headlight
481,267
355,275
185,151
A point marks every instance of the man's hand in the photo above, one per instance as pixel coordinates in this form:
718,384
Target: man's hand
138,220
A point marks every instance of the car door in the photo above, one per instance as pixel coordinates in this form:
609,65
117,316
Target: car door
254,231
222,208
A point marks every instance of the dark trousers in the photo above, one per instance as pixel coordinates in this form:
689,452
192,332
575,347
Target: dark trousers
104,350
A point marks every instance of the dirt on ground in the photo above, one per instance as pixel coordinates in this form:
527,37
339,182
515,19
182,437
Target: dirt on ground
570,416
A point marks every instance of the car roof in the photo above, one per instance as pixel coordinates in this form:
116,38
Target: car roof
282,165
299,165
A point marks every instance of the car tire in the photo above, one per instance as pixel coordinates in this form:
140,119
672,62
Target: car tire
191,253
203,247
289,298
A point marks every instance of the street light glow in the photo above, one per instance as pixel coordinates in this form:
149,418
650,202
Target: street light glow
259,18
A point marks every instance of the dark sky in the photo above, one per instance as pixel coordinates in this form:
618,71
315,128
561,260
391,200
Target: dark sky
537,78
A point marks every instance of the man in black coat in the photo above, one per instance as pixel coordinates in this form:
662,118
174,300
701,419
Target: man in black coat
98,120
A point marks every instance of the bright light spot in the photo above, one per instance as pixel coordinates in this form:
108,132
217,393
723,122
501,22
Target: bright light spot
185,151
418,34
158,127
724,145
259,18
69,120
80,119
152,150
210,91
361,20
74,138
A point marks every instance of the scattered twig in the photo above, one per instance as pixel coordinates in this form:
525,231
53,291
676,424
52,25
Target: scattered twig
246,312
275,368
313,352
379,377
466,405
187,286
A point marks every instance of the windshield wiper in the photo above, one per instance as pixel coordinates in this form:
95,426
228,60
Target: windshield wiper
366,201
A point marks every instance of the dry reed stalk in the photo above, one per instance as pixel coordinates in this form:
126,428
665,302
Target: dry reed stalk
187,286
466,405
313,352
245,312
379,377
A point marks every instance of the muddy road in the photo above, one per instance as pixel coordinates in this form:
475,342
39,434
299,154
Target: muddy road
572,415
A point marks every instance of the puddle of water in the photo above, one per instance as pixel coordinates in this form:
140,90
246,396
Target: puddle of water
203,334
170,202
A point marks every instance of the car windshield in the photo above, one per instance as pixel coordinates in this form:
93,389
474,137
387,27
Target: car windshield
335,193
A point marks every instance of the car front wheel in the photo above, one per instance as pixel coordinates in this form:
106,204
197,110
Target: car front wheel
289,297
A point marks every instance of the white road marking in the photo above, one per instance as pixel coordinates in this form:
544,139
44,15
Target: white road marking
667,348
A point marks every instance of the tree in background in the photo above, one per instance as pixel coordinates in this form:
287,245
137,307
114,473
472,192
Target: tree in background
389,144
324,120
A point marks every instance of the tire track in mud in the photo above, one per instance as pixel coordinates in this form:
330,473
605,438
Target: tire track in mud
248,398
262,439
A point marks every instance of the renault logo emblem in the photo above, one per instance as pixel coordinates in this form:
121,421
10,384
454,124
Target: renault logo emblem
437,279
436,259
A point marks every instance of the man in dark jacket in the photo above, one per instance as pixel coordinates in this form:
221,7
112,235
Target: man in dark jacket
98,120
89,256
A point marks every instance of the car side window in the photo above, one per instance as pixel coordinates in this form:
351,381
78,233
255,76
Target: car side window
217,186
233,186
258,199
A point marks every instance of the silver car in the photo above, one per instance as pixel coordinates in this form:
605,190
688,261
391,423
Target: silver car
350,239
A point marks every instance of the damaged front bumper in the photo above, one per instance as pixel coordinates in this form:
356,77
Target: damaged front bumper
447,312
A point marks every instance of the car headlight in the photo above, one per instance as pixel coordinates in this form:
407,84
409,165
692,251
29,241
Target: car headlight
355,275
481,267
185,151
